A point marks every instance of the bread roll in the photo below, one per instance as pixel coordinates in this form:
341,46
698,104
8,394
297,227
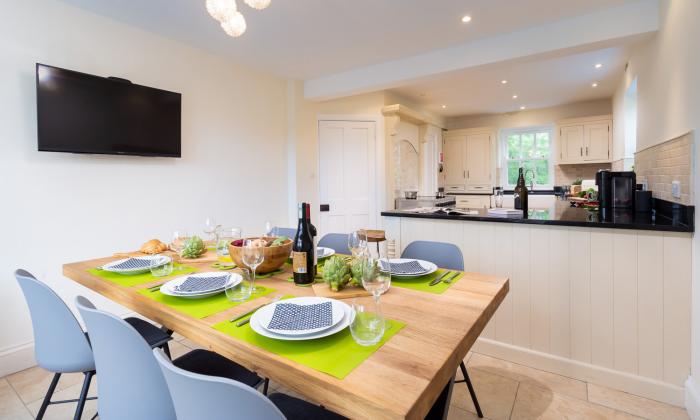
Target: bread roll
154,246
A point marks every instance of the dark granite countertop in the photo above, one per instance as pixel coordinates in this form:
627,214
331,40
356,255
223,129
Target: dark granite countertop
672,218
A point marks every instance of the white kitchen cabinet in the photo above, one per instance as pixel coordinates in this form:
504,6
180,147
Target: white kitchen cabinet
468,162
585,140
473,201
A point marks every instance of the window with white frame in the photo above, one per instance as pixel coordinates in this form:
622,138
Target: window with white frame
531,149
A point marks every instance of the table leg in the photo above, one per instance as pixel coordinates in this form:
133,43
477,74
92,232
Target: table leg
442,405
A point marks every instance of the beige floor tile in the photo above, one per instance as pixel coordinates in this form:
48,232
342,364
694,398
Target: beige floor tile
11,406
495,394
191,344
634,404
178,337
66,411
177,349
32,383
458,374
457,413
534,402
555,383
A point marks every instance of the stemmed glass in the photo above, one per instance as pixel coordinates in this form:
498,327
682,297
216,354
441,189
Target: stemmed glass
212,229
368,326
253,256
357,243
376,276
178,243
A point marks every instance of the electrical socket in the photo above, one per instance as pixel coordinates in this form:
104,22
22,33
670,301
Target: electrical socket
676,189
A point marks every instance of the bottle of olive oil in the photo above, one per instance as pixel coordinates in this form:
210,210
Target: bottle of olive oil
303,251
520,193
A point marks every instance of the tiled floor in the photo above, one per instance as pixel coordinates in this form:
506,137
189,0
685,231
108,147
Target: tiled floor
505,390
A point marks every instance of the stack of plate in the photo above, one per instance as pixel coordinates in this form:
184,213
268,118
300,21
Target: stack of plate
200,285
323,252
409,267
342,316
136,265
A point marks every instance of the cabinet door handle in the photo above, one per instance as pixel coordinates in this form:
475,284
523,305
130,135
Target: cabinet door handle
464,174
586,150
467,174
581,152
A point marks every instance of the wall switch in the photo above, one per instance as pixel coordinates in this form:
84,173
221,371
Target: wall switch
676,189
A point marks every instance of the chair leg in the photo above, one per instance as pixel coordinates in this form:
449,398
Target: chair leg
83,395
166,350
265,385
47,397
471,390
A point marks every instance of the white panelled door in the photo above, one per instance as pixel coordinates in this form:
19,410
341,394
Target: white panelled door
347,175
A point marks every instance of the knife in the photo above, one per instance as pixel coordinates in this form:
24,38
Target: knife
452,277
253,310
439,279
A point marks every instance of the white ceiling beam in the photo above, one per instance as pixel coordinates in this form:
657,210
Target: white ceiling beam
627,20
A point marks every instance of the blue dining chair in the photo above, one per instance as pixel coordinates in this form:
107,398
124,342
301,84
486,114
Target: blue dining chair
450,257
61,345
196,396
131,384
290,233
336,241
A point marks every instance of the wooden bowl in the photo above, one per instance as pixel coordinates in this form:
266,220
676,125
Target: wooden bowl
275,256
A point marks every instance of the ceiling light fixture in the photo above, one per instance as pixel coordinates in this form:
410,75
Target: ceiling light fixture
598,65
466,19
504,81
522,107
226,12
594,84
515,96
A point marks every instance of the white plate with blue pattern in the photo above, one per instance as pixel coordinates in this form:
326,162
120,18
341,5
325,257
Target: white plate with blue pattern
175,286
135,265
341,316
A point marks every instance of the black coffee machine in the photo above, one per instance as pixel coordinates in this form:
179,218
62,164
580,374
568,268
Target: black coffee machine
616,189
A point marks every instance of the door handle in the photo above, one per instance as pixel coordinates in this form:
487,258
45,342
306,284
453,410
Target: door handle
467,174
464,174
581,151
325,207
586,150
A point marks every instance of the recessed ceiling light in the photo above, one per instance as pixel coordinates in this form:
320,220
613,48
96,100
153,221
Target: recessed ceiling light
594,84
444,106
466,19
515,96
598,65
504,81
522,107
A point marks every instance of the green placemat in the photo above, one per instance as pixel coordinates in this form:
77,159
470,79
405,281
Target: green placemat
201,308
336,355
136,279
270,274
422,283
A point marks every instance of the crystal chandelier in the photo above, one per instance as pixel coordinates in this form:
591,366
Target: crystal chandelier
226,12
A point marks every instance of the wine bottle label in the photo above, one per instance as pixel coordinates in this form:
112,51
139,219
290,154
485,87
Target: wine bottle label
299,262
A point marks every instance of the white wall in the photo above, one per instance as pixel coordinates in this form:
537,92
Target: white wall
60,208
668,72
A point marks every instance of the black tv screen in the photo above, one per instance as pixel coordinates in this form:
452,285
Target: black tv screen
82,113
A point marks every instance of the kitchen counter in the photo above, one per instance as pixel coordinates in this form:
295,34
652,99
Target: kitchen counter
667,217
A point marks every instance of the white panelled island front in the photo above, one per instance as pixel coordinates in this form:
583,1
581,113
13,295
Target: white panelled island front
604,305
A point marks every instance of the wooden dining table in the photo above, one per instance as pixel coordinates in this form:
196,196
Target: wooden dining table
410,376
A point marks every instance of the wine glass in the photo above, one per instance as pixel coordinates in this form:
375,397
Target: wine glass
376,276
357,243
211,229
253,256
178,242
368,326
226,236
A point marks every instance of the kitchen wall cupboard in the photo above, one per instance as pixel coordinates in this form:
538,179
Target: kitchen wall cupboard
473,201
468,162
585,140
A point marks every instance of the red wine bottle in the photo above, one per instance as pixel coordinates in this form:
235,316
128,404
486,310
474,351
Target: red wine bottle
314,233
303,251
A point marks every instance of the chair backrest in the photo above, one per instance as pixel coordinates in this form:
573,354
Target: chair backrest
290,233
442,254
197,396
130,382
337,241
60,344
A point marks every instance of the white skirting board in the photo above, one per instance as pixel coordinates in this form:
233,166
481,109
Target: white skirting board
637,385
16,358
692,398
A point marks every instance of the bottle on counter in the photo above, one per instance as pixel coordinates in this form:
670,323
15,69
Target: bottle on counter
520,193
303,251
314,233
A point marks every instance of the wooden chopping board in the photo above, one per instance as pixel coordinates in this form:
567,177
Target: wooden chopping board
323,290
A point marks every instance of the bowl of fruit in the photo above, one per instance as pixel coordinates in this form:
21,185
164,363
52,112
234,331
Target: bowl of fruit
276,251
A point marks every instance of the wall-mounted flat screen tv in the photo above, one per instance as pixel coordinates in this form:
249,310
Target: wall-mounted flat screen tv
82,113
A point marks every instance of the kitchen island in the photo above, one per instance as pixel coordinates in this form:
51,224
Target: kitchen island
605,300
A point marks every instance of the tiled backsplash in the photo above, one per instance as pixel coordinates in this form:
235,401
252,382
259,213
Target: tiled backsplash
664,163
566,174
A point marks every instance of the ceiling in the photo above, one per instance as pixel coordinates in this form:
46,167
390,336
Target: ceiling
538,82
304,39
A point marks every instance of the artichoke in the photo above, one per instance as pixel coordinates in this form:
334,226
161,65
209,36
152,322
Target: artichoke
336,273
360,268
194,247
